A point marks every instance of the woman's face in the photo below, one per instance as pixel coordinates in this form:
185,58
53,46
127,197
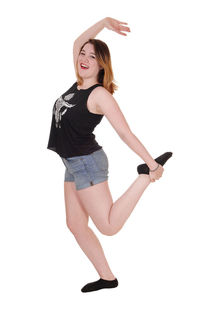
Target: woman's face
87,57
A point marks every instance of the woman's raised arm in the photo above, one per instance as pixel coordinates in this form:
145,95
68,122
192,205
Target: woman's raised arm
107,22
91,32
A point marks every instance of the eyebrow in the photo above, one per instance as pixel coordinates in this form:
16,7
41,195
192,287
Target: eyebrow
90,53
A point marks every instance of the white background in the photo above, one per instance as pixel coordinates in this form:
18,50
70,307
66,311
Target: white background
156,255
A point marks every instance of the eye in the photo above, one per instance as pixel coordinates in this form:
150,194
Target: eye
81,53
93,56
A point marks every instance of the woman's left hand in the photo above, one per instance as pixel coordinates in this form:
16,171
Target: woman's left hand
155,175
116,26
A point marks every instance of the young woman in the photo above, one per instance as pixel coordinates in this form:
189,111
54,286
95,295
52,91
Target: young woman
75,115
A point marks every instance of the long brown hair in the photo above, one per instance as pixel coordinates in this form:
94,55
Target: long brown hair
105,75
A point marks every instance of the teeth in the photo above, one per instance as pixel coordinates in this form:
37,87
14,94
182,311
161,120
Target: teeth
84,66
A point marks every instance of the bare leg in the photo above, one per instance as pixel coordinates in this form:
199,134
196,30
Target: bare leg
117,213
110,217
120,210
124,205
92,248
77,222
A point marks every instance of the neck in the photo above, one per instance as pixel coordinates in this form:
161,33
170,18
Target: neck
88,83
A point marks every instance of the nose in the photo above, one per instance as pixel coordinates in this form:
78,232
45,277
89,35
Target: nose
85,59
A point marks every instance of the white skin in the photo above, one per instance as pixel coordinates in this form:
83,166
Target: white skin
96,201
87,56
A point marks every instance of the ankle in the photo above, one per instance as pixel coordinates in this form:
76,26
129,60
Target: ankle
108,277
145,176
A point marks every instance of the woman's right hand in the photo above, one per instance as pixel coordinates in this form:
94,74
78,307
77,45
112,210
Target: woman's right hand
116,26
155,175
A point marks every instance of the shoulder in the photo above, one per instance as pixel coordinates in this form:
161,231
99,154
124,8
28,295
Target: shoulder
103,100
100,93
101,90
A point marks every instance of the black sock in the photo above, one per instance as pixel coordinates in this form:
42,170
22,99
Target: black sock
143,168
101,283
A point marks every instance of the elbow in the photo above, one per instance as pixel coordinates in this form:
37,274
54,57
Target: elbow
126,134
76,43
122,135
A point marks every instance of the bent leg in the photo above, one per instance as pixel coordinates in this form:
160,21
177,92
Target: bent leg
109,217
124,205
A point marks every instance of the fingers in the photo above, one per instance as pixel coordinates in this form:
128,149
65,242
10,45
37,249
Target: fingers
123,23
154,177
115,25
123,28
120,21
121,33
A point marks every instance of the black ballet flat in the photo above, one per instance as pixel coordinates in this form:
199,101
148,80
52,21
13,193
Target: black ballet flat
143,168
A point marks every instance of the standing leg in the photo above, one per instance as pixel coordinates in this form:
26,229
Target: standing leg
77,222
92,248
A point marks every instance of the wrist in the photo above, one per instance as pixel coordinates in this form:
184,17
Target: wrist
106,21
154,169
153,165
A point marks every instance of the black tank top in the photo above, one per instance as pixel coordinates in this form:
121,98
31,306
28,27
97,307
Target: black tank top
72,124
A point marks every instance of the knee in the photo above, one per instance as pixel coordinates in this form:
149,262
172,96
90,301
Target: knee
70,227
109,231
76,229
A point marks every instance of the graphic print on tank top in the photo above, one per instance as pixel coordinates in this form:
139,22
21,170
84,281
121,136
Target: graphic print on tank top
61,106
72,124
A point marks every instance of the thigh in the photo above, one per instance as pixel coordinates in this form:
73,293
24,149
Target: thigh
76,215
97,201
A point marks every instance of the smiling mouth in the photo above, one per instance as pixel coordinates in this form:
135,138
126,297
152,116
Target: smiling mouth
83,66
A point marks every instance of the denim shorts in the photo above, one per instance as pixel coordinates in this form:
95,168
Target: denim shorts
86,170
